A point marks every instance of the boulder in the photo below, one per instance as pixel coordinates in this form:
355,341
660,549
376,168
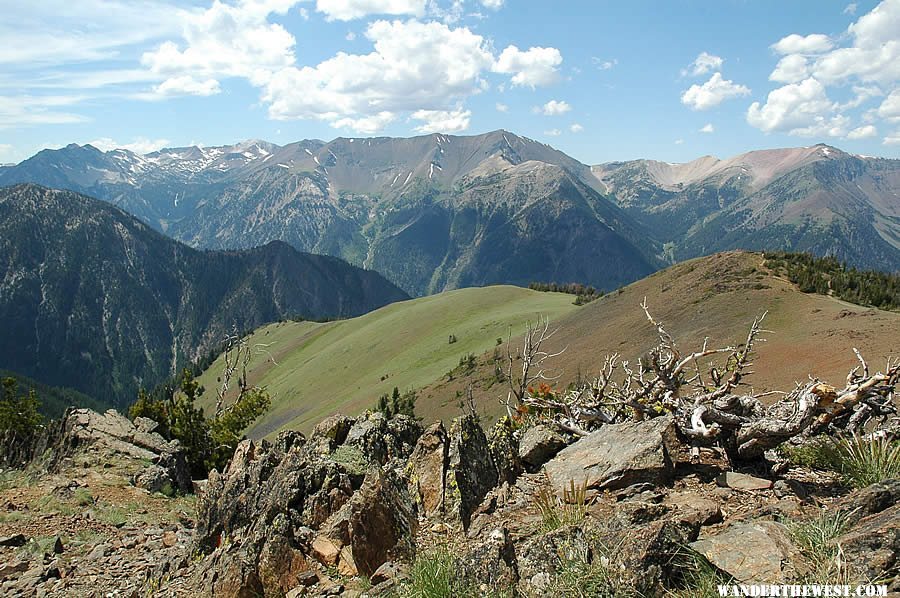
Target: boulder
383,521
539,444
492,562
755,552
871,499
872,546
617,456
471,472
426,469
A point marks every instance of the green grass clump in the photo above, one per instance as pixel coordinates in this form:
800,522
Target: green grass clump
435,575
860,461
815,539
557,512
865,462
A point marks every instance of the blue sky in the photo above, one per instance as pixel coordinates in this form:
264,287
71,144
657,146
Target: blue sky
670,80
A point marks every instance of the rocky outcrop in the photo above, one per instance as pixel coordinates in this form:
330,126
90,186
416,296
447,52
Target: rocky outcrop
539,444
617,456
337,498
106,438
471,472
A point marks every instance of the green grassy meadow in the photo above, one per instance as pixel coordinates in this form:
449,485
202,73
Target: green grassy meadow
313,370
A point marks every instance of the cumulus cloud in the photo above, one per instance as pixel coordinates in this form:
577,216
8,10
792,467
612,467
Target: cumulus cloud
874,55
224,41
576,128
442,121
347,10
869,64
141,145
864,132
493,4
892,139
679,141
554,108
535,67
791,108
708,128
553,133
704,63
415,66
501,107
712,93
816,43
790,69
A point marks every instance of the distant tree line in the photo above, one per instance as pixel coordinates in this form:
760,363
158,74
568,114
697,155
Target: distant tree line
828,276
583,294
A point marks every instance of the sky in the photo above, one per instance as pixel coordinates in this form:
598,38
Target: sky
671,80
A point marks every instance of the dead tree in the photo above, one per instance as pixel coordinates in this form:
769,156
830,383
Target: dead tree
236,356
534,363
707,406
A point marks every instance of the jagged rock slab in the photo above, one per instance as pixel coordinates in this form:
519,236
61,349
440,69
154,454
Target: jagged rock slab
616,456
757,552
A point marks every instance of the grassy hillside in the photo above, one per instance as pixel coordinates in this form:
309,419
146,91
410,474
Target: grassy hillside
715,297
313,370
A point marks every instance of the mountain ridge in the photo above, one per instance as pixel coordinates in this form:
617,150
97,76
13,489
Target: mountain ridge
95,299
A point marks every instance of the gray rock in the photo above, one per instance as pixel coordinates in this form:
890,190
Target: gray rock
756,552
742,481
471,472
872,546
427,468
539,444
14,541
617,456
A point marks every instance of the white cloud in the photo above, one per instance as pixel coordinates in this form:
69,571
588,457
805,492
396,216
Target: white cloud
27,110
347,10
816,43
824,126
6,151
712,93
534,67
576,128
790,69
414,66
141,145
350,36
604,65
554,108
862,94
890,107
874,55
892,139
56,32
186,85
492,4
708,128
553,133
501,107
850,9
704,63
864,132
367,125
225,41
442,121
793,108
679,141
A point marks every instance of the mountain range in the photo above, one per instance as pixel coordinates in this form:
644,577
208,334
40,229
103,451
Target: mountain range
93,299
817,199
438,212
